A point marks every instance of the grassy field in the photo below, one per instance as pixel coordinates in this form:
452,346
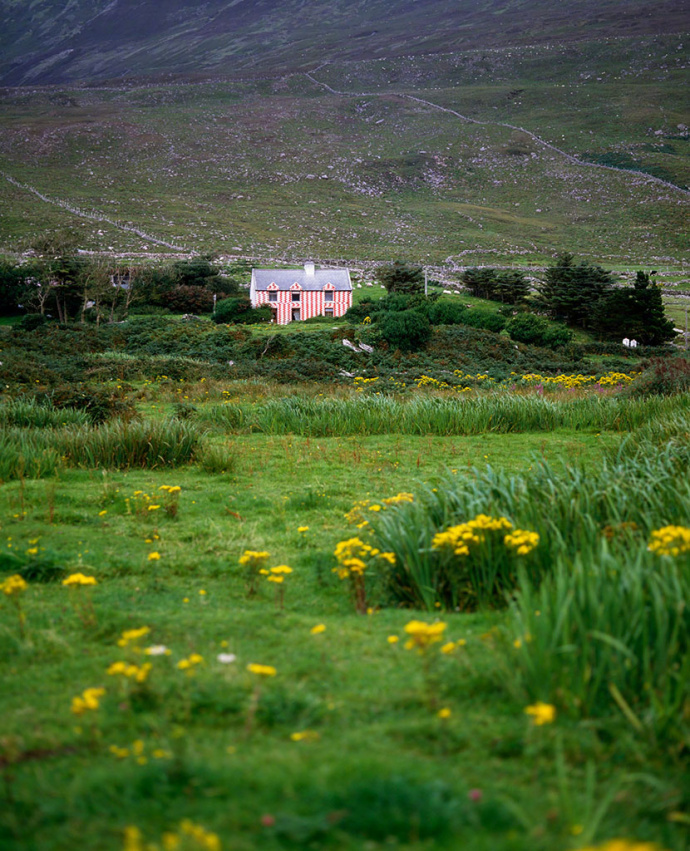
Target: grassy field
355,741
282,168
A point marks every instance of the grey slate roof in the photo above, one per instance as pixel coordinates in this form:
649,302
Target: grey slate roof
285,278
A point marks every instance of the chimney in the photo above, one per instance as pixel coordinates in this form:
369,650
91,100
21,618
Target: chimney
309,270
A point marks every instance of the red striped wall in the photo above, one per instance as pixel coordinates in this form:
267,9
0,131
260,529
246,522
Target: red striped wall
311,303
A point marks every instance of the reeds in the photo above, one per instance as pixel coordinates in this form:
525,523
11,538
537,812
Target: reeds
34,453
571,510
27,413
605,635
499,413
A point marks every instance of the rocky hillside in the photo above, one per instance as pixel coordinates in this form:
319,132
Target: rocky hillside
57,41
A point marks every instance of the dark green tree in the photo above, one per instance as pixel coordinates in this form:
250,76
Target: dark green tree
536,331
153,283
239,311
406,330
201,273
511,287
480,282
570,290
15,287
57,270
635,312
398,277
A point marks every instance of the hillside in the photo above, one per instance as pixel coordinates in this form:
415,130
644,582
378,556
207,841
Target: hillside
448,133
50,41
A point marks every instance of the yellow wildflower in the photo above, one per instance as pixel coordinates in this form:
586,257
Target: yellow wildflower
120,753
318,629
131,635
89,700
154,556
542,713
522,541
623,845
253,558
670,541
444,713
393,639
77,579
262,670
398,498
459,538
449,647
13,585
423,634
305,736
133,839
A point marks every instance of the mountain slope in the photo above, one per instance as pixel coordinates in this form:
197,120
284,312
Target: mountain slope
53,41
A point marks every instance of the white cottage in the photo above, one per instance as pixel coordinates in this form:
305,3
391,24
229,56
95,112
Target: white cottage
296,294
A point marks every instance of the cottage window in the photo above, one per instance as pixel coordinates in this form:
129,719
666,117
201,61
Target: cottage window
295,296
328,311
273,296
328,295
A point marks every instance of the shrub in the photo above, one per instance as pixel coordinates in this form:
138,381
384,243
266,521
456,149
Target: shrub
663,377
447,313
536,331
98,403
188,299
358,312
488,320
406,330
240,310
32,321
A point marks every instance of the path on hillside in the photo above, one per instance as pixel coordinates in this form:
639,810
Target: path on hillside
537,139
85,214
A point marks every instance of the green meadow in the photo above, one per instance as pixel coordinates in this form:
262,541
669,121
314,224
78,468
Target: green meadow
343,737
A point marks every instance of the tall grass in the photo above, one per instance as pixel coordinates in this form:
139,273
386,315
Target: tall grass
28,413
121,445
115,445
437,416
22,456
571,510
604,635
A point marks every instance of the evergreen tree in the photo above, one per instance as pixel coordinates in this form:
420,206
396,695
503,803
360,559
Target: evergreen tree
15,287
508,287
570,291
400,278
480,282
511,287
635,312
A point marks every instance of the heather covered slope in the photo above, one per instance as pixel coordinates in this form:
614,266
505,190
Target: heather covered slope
417,158
50,41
